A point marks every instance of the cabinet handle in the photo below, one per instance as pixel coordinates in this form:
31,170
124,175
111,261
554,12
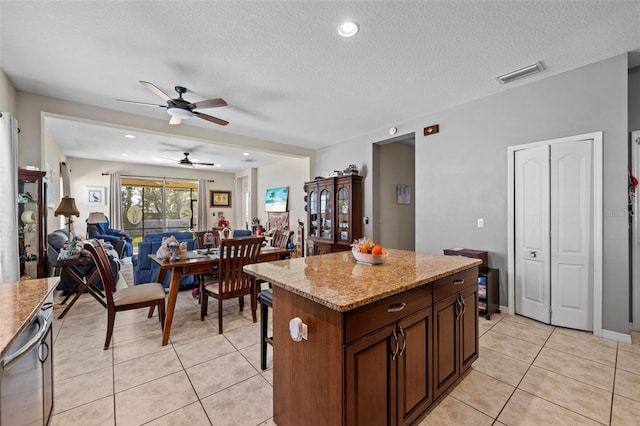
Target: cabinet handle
394,354
464,306
459,303
458,282
404,342
396,308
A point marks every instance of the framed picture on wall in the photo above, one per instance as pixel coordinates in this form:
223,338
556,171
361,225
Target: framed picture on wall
220,198
403,194
95,196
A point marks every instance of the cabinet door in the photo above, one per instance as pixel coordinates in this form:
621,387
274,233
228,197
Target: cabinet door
343,212
32,224
326,213
414,366
370,379
312,210
469,341
446,354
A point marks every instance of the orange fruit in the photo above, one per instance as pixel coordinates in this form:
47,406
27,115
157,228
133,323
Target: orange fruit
363,249
376,250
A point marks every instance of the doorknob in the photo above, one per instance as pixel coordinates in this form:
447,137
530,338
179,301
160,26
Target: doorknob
533,254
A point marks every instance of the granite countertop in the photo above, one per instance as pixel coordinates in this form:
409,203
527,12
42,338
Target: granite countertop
336,281
19,302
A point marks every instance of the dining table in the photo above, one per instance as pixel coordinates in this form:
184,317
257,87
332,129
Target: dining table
198,262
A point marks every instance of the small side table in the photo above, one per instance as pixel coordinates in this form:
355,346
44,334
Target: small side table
84,283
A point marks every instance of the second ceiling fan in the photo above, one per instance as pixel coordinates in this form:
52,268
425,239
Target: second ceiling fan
180,109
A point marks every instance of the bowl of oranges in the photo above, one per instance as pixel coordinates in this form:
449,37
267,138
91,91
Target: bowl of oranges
366,251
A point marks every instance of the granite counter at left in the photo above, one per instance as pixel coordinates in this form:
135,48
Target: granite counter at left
19,303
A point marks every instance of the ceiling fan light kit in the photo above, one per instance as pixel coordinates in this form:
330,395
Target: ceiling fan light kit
180,109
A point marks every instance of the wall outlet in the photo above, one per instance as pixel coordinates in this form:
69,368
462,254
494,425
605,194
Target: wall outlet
480,222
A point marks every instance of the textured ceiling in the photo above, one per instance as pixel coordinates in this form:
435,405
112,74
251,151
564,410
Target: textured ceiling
281,66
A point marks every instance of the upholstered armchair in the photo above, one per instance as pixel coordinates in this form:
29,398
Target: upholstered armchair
96,228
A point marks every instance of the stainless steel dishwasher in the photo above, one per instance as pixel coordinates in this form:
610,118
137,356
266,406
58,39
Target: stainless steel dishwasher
26,373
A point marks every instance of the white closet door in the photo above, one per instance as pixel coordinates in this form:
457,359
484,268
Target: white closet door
571,243
532,228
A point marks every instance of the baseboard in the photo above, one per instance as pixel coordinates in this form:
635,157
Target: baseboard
505,310
614,335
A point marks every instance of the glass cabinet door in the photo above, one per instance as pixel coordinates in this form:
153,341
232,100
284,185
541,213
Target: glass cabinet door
326,212
31,228
313,214
343,214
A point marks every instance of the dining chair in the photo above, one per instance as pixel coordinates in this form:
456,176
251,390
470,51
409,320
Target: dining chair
205,239
282,238
139,296
232,281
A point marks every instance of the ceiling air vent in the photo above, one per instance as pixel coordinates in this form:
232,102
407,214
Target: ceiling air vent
522,72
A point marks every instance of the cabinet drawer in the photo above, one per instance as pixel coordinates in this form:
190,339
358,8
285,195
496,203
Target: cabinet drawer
364,320
454,283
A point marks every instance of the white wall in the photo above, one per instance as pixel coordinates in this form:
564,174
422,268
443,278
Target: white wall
53,156
7,95
292,173
461,172
83,173
634,99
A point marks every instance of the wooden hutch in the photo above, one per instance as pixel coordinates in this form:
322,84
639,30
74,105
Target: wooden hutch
334,213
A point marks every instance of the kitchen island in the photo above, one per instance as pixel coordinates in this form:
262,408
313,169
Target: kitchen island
383,342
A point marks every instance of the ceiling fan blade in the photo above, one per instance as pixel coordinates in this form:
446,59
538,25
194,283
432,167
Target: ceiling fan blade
202,164
175,120
210,118
141,103
208,103
155,90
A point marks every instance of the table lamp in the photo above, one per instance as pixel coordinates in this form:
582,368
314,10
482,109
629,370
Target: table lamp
67,208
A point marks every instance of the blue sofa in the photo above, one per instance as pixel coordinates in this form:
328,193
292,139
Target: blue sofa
145,270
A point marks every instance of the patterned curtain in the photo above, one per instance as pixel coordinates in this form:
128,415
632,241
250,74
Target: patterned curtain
115,202
202,205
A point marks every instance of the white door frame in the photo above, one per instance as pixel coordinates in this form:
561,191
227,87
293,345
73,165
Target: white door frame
597,221
635,250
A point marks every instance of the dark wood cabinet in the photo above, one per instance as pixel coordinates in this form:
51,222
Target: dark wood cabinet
383,363
32,223
334,213
455,329
388,371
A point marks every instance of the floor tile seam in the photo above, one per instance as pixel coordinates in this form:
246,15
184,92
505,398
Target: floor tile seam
614,384
56,413
577,355
173,411
114,336
162,348
164,374
508,356
561,406
207,360
538,325
587,338
225,388
450,395
574,378
624,349
519,338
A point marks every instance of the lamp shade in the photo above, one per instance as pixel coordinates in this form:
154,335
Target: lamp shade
96,217
67,207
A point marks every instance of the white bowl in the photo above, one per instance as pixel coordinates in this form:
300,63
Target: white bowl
371,259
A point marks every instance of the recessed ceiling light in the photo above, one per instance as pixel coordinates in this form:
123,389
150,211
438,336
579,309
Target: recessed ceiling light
130,136
217,165
125,155
348,29
245,153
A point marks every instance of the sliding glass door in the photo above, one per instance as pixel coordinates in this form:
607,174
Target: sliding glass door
154,205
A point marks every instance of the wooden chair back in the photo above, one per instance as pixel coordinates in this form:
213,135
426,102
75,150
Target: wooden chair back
101,260
202,237
234,254
282,238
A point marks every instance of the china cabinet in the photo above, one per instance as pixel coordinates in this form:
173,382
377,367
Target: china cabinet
32,223
334,213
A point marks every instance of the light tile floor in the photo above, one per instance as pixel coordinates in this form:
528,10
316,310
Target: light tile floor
527,374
